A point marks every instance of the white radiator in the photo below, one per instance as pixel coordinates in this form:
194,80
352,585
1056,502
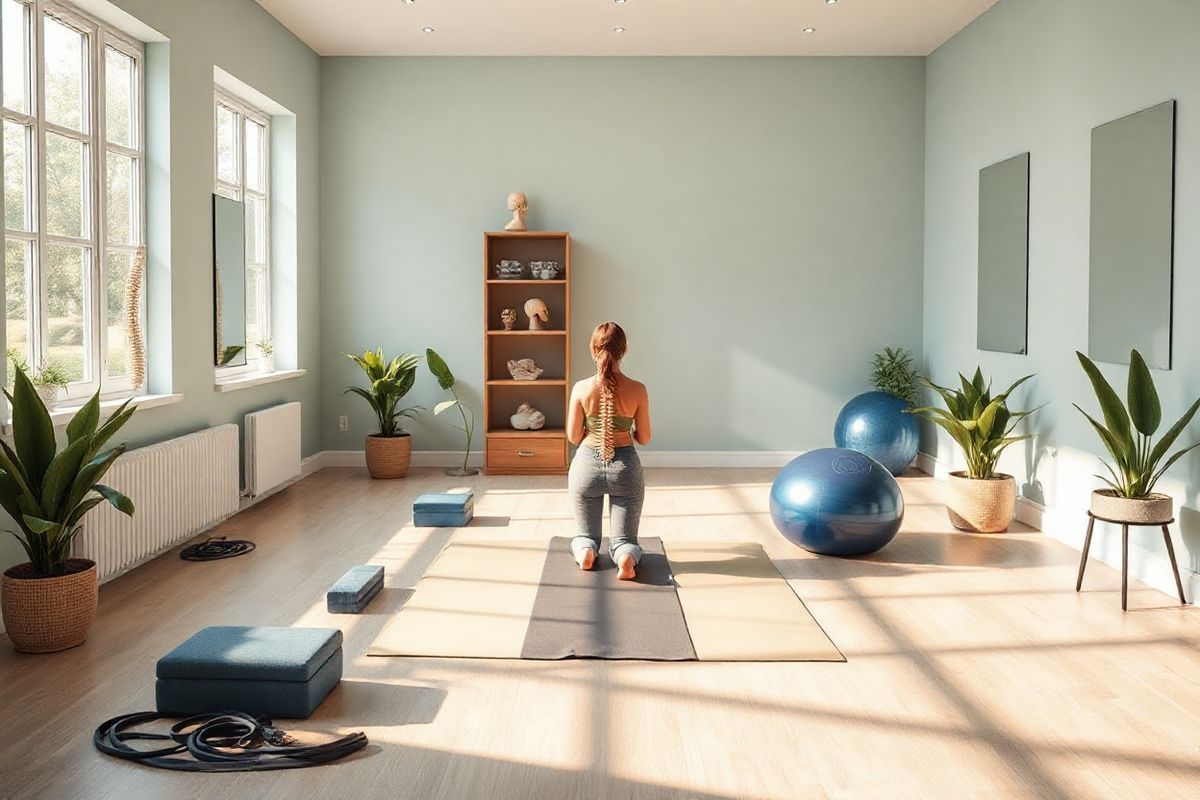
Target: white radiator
272,448
179,488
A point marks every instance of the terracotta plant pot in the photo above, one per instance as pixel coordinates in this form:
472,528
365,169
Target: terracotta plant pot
45,615
389,456
1153,509
981,506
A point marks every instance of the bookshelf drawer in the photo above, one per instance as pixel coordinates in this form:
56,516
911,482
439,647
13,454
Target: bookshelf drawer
518,453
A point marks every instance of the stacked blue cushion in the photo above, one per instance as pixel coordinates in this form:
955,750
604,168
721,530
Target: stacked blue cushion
355,589
275,672
443,510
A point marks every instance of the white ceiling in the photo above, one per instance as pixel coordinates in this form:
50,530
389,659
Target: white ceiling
652,27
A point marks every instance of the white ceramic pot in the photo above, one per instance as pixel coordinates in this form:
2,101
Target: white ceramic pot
266,363
981,505
1153,509
49,395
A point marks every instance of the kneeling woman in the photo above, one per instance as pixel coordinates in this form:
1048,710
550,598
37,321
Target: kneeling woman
609,412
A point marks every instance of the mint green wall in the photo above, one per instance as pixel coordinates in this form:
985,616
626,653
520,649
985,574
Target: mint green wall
1038,76
754,224
241,38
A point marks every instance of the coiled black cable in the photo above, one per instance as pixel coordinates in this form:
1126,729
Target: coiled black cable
224,741
216,547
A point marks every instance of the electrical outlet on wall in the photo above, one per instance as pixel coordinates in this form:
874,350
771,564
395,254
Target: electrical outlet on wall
343,423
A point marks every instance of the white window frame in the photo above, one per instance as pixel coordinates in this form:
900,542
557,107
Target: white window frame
240,190
99,37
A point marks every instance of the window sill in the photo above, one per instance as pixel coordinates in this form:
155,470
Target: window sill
255,379
61,415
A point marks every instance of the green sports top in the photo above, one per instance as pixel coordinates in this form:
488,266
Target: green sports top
620,424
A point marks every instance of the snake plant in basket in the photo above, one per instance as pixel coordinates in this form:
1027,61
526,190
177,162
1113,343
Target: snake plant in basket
979,498
388,452
1128,434
49,602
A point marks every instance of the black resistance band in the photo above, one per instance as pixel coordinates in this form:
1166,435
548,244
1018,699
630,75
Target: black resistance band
214,548
225,741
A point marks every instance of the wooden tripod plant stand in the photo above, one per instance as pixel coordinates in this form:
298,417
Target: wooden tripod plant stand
1087,543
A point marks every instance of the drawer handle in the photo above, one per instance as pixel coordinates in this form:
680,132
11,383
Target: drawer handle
525,453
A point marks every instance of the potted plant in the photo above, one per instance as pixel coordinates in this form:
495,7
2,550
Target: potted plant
50,380
445,379
49,602
979,498
266,354
875,423
390,450
1137,461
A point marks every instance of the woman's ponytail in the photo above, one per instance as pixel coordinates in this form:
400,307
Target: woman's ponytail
608,348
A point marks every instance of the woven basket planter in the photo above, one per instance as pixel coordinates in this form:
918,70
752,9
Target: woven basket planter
1154,509
45,615
389,456
981,506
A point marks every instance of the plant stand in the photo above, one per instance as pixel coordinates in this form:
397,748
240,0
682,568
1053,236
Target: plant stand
1087,543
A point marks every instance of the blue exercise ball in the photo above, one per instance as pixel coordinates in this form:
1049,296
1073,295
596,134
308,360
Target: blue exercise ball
875,423
837,502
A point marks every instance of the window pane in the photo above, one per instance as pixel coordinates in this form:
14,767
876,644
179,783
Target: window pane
64,186
226,145
66,277
255,296
16,299
118,97
64,59
256,240
255,152
121,188
16,176
230,192
16,57
115,278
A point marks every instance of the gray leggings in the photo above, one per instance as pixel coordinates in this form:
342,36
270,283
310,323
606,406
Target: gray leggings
622,480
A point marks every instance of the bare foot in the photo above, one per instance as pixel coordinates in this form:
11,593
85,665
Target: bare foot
586,560
625,568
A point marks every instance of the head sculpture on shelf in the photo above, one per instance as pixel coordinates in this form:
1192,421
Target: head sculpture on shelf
519,206
508,318
538,313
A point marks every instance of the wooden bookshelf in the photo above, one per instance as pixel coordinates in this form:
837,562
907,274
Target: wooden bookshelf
509,451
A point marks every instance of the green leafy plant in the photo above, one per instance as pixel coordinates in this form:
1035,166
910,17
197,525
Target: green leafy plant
1137,462
390,382
981,424
228,354
48,492
892,371
445,379
51,375
265,346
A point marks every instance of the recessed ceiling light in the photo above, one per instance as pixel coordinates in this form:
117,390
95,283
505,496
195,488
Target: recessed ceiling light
622,2
427,30
410,2
827,2
810,30
618,29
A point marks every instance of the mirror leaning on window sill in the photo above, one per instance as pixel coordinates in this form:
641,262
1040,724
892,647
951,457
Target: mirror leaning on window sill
62,413
246,380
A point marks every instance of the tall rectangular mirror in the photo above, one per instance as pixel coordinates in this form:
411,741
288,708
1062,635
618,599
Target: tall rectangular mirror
229,281
1133,196
1003,288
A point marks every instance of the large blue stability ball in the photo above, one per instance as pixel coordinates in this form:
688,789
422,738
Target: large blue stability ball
875,423
837,502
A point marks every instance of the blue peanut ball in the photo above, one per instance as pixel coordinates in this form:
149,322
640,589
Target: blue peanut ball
837,502
875,423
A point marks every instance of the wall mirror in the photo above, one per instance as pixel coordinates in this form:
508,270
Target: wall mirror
1003,287
1133,196
229,281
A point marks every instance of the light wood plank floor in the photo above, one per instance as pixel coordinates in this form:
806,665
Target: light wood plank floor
974,668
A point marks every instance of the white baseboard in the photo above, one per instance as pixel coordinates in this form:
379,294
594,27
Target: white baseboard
650,458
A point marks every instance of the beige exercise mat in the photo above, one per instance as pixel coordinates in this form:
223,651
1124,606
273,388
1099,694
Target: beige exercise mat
739,608
474,602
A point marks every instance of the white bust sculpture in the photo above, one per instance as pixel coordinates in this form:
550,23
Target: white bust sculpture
538,313
519,206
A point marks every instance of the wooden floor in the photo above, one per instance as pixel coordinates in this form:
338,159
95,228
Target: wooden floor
974,669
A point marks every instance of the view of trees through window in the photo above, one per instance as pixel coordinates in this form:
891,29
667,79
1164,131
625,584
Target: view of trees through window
72,192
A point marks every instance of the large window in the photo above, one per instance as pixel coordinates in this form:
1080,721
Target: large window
243,163
74,208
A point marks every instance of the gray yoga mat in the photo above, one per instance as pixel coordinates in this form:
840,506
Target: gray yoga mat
591,614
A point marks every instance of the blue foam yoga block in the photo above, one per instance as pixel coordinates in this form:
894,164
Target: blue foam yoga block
443,510
275,672
355,589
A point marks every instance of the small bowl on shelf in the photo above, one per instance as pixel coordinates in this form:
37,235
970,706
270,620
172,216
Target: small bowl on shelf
544,270
510,270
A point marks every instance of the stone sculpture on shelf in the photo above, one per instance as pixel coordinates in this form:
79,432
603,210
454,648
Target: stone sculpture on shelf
524,369
508,317
528,418
519,206
538,313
